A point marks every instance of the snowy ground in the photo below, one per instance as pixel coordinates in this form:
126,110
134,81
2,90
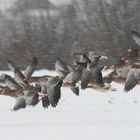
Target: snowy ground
91,116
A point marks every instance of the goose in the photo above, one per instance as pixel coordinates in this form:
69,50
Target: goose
10,82
95,57
82,57
136,37
62,68
18,76
86,74
72,78
52,88
92,58
133,77
29,95
19,100
31,68
23,97
97,77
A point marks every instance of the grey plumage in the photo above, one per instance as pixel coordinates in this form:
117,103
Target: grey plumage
74,76
136,37
20,103
31,96
97,74
62,68
133,77
122,71
75,90
85,78
82,57
93,56
31,68
10,82
53,90
19,77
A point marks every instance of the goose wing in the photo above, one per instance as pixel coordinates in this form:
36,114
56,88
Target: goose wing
85,79
61,68
10,82
54,91
31,68
20,103
133,77
136,37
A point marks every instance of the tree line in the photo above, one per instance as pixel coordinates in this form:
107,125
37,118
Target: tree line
46,30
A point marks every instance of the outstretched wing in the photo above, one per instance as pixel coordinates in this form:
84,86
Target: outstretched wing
85,79
54,91
136,37
11,65
20,103
133,77
19,77
45,100
31,68
61,67
97,74
10,82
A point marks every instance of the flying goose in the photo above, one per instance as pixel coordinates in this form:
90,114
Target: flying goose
52,88
31,68
62,68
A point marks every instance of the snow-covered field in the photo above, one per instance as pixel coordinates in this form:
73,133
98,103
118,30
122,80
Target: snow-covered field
91,116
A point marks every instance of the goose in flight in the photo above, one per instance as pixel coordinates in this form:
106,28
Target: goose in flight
136,37
52,90
23,97
62,68
31,68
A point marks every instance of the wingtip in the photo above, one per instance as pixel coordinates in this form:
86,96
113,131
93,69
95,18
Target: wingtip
75,90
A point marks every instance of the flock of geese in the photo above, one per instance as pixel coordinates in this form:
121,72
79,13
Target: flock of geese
86,72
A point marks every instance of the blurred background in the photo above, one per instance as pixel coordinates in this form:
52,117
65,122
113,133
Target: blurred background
54,28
